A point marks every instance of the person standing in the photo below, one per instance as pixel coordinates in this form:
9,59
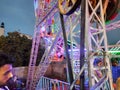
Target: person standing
5,70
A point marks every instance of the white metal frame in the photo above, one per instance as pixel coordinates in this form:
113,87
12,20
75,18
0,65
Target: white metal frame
94,41
91,32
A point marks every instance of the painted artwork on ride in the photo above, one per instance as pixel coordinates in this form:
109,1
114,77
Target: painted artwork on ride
42,7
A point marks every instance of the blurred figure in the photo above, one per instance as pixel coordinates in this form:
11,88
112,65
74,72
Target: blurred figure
118,84
5,70
114,62
98,72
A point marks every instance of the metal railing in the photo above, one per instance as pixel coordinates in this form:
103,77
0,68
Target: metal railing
53,84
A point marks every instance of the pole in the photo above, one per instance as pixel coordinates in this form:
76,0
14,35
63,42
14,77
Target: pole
82,43
66,52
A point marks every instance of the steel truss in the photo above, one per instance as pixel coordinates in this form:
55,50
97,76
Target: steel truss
95,38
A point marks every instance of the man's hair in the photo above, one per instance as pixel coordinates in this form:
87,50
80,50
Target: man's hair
5,59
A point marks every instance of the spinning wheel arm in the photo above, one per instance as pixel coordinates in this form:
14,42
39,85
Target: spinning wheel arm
68,6
110,7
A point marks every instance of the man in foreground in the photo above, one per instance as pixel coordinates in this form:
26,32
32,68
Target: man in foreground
5,70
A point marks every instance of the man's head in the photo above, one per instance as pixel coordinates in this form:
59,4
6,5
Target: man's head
5,68
114,62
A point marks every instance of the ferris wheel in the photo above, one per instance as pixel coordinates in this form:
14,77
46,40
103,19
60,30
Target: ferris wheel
48,28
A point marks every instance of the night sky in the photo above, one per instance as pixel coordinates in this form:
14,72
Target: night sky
18,15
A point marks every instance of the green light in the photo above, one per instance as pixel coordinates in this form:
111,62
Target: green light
69,43
108,22
114,51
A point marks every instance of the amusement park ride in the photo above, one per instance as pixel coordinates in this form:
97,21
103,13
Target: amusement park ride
82,22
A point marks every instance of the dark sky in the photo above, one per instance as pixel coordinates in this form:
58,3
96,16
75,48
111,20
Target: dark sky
18,15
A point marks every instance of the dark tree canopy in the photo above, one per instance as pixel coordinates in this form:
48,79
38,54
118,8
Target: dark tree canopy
19,46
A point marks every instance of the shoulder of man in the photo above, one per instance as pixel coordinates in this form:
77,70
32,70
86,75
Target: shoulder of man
4,88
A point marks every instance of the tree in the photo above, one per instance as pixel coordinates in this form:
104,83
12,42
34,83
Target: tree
19,46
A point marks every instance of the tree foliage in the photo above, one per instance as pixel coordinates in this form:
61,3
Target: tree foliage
17,45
